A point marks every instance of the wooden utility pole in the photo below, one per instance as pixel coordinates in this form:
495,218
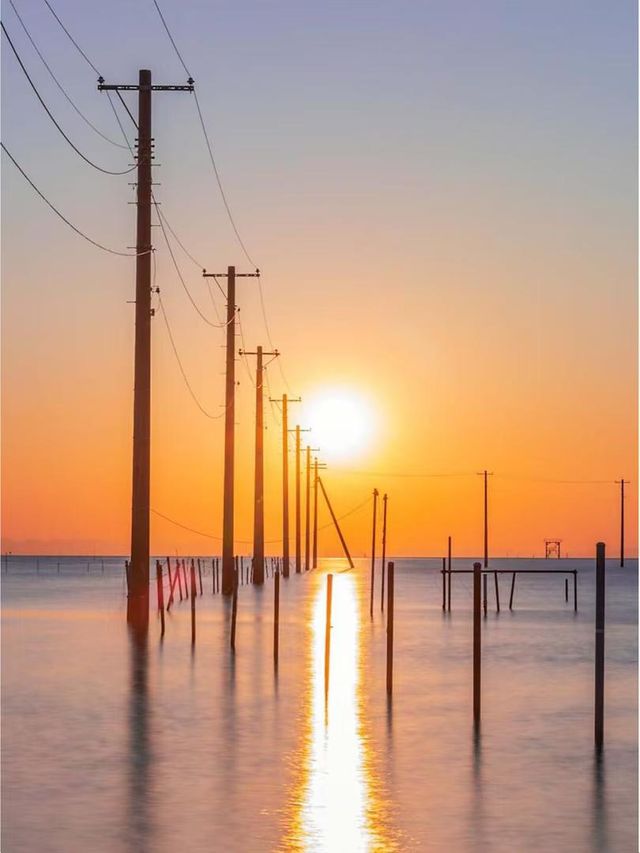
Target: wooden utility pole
373,551
384,548
297,432
285,479
229,426
138,574
258,505
486,475
316,466
622,484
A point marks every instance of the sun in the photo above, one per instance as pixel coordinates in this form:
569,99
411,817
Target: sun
342,422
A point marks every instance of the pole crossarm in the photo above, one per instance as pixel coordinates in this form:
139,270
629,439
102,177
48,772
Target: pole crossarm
206,274
133,87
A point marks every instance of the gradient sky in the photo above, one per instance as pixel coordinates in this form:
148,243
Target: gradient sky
442,198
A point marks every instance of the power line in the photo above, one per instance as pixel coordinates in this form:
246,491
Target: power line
71,38
59,84
51,116
182,370
175,47
64,218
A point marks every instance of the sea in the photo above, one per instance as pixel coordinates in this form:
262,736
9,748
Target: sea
112,742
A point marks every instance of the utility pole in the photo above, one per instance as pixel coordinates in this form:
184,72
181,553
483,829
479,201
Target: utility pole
486,474
621,483
335,522
307,509
315,511
297,432
285,479
373,550
138,574
258,506
229,425
384,547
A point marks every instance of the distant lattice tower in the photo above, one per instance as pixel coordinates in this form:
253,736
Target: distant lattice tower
552,548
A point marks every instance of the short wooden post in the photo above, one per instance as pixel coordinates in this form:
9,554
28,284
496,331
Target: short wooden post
566,589
176,578
179,576
444,583
170,582
477,571
449,576
200,575
327,633
599,679
193,604
495,580
234,609
390,594
575,590
276,616
484,593
184,578
160,592
513,588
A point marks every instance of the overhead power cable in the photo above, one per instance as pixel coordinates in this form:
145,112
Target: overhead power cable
71,38
64,218
59,84
53,119
182,370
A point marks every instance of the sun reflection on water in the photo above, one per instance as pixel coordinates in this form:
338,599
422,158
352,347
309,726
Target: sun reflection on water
335,805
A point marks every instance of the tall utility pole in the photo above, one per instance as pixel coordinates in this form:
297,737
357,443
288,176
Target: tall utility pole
486,474
258,506
298,431
621,483
384,547
373,550
315,511
138,574
229,426
307,509
285,479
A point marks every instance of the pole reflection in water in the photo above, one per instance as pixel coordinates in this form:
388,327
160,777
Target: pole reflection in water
335,804
138,824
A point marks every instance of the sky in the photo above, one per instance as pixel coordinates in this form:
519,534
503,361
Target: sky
442,199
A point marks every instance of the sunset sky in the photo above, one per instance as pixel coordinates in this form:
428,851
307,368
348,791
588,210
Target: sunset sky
442,199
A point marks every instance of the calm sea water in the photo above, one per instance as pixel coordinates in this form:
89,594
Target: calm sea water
112,746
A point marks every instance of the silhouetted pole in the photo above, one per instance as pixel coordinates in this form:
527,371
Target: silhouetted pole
138,574
200,575
444,583
160,595
621,483
234,610
486,475
477,572
373,550
138,593
384,549
390,592
229,426
258,504
285,480
484,593
298,431
276,616
315,513
599,692
193,604
513,586
335,522
327,634
449,575
307,507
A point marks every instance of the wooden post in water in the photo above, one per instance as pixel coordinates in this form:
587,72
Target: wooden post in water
373,551
160,595
390,591
566,589
176,578
179,576
477,571
449,575
184,577
575,590
200,575
600,613
513,587
444,583
193,604
327,634
484,593
170,583
234,611
276,617
495,580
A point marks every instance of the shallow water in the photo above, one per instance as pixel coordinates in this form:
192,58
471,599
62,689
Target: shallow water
109,745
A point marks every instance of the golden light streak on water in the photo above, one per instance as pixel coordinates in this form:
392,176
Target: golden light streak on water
335,805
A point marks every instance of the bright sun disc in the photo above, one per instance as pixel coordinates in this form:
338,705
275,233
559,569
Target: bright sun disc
341,422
